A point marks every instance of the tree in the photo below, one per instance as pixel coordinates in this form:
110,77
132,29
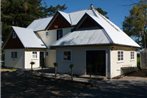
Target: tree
102,12
136,23
23,12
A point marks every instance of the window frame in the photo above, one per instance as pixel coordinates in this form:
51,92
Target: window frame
34,54
14,55
59,33
69,56
120,55
132,55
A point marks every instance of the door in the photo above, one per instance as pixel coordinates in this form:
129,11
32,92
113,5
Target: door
42,59
96,62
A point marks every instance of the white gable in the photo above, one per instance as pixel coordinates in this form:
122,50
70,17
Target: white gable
39,24
28,38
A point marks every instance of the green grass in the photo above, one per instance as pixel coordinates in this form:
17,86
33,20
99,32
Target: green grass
7,69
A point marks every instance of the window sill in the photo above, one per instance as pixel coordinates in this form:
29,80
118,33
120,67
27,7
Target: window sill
132,60
118,62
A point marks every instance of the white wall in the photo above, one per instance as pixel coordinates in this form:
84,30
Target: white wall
127,62
50,39
14,62
52,35
29,58
51,58
78,58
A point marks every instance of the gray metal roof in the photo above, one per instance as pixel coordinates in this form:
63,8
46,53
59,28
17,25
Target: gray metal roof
39,24
110,34
84,37
73,18
28,38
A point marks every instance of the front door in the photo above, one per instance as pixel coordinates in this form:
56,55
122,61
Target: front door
42,59
96,62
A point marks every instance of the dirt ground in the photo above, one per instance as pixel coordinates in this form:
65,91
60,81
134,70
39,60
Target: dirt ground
25,85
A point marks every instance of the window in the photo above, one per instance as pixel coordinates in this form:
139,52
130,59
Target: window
120,55
59,34
46,33
132,55
67,55
13,35
13,54
34,54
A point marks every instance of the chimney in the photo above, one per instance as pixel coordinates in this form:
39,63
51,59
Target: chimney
91,6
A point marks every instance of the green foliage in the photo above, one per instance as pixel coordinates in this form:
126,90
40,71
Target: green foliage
23,12
136,23
55,64
102,12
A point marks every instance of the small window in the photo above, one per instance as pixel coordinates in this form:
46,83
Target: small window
13,54
120,55
59,33
132,55
34,54
67,55
46,33
13,35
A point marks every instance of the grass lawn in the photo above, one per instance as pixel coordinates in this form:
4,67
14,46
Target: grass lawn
7,69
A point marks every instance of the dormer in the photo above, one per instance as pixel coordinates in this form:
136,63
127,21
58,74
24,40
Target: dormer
60,20
87,23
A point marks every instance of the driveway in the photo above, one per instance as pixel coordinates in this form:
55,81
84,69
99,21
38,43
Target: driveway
25,85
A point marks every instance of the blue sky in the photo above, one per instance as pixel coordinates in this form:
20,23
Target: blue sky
117,9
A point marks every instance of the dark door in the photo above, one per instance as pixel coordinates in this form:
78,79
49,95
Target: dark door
42,59
95,62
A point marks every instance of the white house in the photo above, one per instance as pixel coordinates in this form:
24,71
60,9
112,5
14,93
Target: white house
97,46
22,48
84,38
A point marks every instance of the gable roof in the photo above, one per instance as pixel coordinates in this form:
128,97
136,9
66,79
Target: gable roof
76,16
40,24
73,18
112,33
66,16
28,38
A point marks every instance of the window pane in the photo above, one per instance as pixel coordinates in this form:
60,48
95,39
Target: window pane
59,34
67,55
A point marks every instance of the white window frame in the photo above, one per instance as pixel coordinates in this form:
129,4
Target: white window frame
120,55
66,58
132,55
34,54
13,54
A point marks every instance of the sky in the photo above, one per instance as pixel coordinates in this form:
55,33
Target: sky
117,9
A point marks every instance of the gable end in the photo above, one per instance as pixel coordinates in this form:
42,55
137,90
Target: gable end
13,42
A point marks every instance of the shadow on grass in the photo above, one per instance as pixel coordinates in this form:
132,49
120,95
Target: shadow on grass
25,85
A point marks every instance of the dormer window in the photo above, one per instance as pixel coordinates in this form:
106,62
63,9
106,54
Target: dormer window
59,33
13,35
